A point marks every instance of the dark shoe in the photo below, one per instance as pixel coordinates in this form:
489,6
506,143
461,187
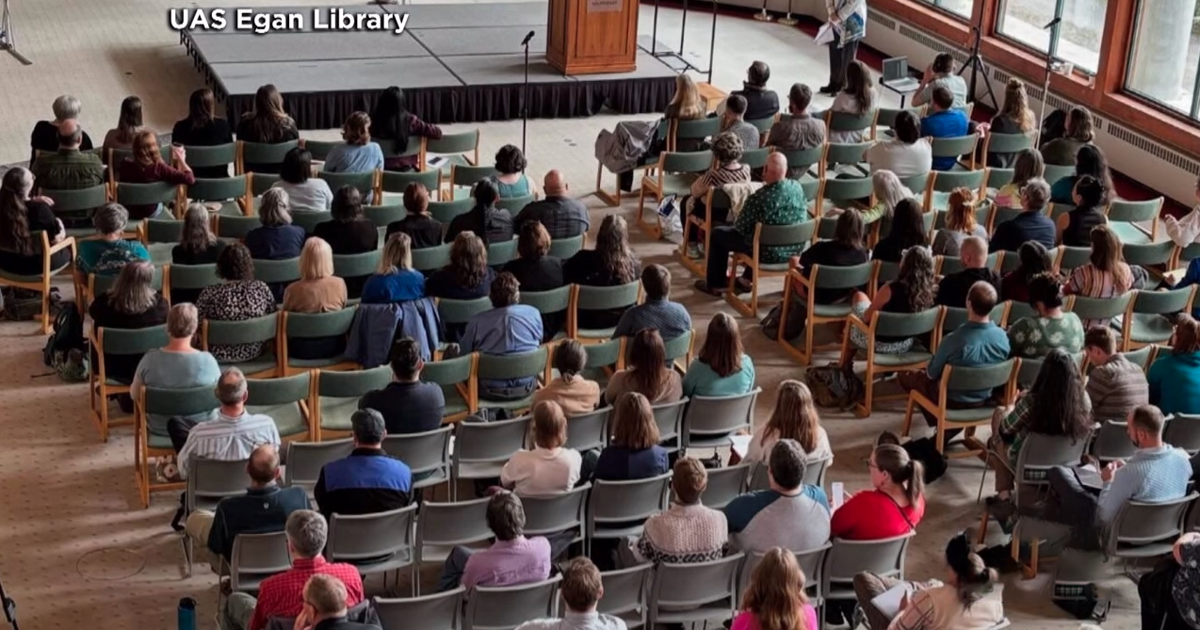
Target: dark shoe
702,286
1001,509
742,285
829,89
177,520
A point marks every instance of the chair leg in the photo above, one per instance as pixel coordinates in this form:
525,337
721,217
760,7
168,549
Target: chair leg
46,307
941,435
103,404
908,416
983,527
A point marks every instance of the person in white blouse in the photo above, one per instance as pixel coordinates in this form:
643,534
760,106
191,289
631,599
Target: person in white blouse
795,418
858,97
1185,231
549,468
906,155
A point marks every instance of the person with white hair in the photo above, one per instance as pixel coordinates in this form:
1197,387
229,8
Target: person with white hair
45,132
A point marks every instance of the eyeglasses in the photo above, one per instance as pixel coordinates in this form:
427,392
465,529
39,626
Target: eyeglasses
870,465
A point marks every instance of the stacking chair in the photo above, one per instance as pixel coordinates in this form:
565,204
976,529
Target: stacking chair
995,180
429,259
209,481
552,302
511,367
885,118
756,158
673,175
261,153
445,211
956,317
847,122
212,156
320,148
710,421
375,543
427,454
456,377
678,351
1006,143
854,277
1148,530
588,431
501,252
584,297
128,194
1055,172
694,592
255,558
287,400
725,485
1183,431
191,278
842,192
1140,357
1124,216
78,206
625,594
397,183
116,341
1100,308
613,505
443,526
1111,442
847,558
255,330
1149,255
234,227
456,313
957,148
612,199
564,248
694,131
457,148
515,204
669,418
464,177
163,403
337,394
768,236
1146,323
964,378
440,611
161,231
942,183
552,513
1066,259
310,326
41,282
310,220
233,193
382,216
716,200
895,325
506,607
284,271
482,448
805,159
763,125
603,359
366,182
305,460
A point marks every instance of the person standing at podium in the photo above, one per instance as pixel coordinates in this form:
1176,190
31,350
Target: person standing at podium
849,21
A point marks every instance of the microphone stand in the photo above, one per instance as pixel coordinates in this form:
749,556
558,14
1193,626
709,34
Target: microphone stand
1049,69
763,16
788,20
525,95
8,38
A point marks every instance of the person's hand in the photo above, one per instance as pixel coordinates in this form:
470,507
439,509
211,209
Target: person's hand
305,619
44,199
1106,475
904,602
1186,539
928,75
982,129
178,152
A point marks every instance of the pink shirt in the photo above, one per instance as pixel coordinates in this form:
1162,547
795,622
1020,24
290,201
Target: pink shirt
509,563
747,620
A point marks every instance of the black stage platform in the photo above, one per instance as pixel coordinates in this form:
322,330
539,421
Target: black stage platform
455,62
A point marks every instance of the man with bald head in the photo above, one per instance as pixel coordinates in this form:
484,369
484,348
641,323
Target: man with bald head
780,201
562,215
69,168
952,290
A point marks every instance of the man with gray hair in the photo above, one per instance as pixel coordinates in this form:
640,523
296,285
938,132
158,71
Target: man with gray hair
232,435
790,514
1031,225
68,168
325,606
45,133
368,481
282,595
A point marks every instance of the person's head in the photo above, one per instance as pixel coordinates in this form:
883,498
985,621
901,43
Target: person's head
758,74
357,128
888,189
727,148
202,108
795,416
468,259
688,481
316,259
110,219
1016,105
942,99
776,168
891,467
133,292
735,107
858,85
506,516
968,574
231,388
70,134
182,321
907,127
908,223
534,241
297,166
325,597
306,532
485,194
960,216
390,118
1186,339
1080,125
397,254
406,360
549,425
18,183
612,245
648,363
234,264
849,229
1099,344
510,160
368,428
656,281
1028,166
582,585
1090,160
1045,293
14,215
943,63
1088,192
799,98
1035,194
347,204
390,103
505,290
687,101
1035,259
554,184
263,465
974,252
1145,426
981,299
197,233
268,103
129,121
570,359
785,466
916,273
1062,407
633,422
776,592
66,107
722,350
145,148
416,198
1106,256
275,208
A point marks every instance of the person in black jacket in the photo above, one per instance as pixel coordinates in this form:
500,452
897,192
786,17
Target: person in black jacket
493,224
45,132
1030,225
368,481
760,102
202,128
420,226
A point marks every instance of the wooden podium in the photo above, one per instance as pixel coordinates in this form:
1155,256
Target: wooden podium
592,36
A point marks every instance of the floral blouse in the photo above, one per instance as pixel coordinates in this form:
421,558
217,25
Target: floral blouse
234,302
1035,337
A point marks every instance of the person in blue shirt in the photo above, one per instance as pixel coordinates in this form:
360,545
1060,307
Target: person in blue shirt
369,481
944,122
395,280
358,154
508,328
669,318
791,514
1031,225
1190,277
1175,377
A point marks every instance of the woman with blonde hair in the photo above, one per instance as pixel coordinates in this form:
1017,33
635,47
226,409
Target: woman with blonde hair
395,280
775,598
1015,117
889,192
1106,275
723,368
1027,167
687,103
357,154
131,303
146,166
647,371
317,291
550,467
794,418
960,223
129,124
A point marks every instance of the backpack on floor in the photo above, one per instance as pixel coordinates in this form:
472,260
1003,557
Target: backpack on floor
66,349
834,386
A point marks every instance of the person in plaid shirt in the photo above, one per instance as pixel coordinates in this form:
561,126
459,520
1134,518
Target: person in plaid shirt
282,595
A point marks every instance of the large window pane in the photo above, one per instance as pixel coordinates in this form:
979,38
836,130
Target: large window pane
1078,36
960,8
1160,67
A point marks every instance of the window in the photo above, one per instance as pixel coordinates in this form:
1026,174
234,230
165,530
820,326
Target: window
1077,38
1159,68
961,8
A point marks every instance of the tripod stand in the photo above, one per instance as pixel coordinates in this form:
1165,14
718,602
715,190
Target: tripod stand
8,39
10,608
976,65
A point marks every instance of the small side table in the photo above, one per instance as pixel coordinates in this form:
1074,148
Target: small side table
712,96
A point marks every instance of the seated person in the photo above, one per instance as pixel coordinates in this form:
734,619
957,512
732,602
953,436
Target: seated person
407,404
277,238
317,291
634,451
1173,607
1027,167
325,606
146,166
889,192
21,218
944,121
941,73
575,394
776,592
1079,132
760,102
1175,376
131,303
178,365
1185,231
794,418
893,506
549,468
845,249
394,280
906,155
536,270
722,367
657,311
512,559
727,150
358,154
1031,225
1075,226
104,256
230,436
790,514
798,132
1051,328
1115,385
687,532
369,480
562,216
857,97
646,371
509,328
44,137
953,288
1033,259
581,591
69,168
611,263
392,121
510,179
485,219
734,121
911,292
418,223
1089,162
468,275
907,231
1105,275
267,123
960,224
349,232
306,193
199,246
239,297
129,124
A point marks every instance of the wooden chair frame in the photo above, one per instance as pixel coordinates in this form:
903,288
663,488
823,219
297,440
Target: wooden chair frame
864,408
804,355
42,286
938,409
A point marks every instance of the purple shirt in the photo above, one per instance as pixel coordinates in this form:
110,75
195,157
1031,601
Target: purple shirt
508,563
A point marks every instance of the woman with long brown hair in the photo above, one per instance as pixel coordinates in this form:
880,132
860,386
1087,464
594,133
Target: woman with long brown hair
202,128
960,223
913,291
1106,275
468,275
1175,376
634,451
794,418
147,166
394,123
129,124
775,598
131,303
858,97
1015,117
267,123
611,263
21,218
723,368
647,371
1079,132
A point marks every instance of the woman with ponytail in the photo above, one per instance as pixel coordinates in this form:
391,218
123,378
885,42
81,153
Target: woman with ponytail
775,598
892,507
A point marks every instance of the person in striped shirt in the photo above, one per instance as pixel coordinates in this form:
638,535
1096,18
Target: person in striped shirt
1116,386
233,434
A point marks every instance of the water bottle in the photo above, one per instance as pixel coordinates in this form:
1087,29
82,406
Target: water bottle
187,613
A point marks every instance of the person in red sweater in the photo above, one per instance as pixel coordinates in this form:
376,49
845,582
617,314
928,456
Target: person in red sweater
147,166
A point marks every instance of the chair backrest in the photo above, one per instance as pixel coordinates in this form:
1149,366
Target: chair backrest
256,557
514,204
356,265
725,484
1112,442
235,227
588,431
210,480
847,558
305,460
1123,210
352,383
1163,302
617,502
597,298
454,144
260,182
180,402
840,190
513,366
489,442
263,153
1140,357
831,277
625,594
461,311
1099,308
431,258
814,471
439,611
445,211
1139,523
146,194
308,221
1031,366
546,302
506,607
254,330
997,177
955,147
449,371
692,585
699,128
603,354
312,325
466,175
272,271
131,341
907,324
956,317
426,453
364,181
394,182
1068,258
979,378
846,121
501,252
213,155
81,199
218,189
551,513
1007,142
717,417
1183,431
756,158
797,234
371,536
686,161
804,158
669,418
1040,452
946,181
1148,254
459,523
564,248
320,148
383,215
163,230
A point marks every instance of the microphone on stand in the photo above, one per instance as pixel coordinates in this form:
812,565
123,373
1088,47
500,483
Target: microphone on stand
525,42
525,94
1055,22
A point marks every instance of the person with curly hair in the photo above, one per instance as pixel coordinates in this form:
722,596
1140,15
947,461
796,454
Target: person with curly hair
912,291
727,150
510,179
1015,116
1051,327
611,263
238,298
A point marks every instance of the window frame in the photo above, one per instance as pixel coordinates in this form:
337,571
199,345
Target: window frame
1193,113
937,6
1055,36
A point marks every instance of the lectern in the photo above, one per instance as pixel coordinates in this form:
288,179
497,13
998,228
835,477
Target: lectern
592,36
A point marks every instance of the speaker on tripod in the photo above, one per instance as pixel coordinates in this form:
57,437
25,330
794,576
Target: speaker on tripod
8,38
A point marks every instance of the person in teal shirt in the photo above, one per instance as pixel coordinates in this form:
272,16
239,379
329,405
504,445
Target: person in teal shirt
722,369
1175,378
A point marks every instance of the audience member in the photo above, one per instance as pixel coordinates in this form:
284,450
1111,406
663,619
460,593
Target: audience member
305,192
509,328
734,121
634,451
369,481
798,131
1178,606
907,154
534,268
129,124
1027,167
892,507
231,436
104,256
775,599
1175,376
277,238
687,532
790,514
512,559
907,231
611,263
1050,327
349,232
944,121
1075,226
178,365
392,121
495,224
1090,161
468,276
960,224
1034,260
1106,275
941,74
562,216
21,218
857,98
357,154
203,128
1115,385
726,168
911,292
197,245
846,249
394,280
326,608
408,405
146,166
510,179
794,418
574,393
418,223
267,123
953,288
131,303
550,468
68,167
44,137
646,371
581,590
889,191
1031,224
760,102
658,312
1014,117
1185,231
722,367
317,291
239,297
1079,133
686,104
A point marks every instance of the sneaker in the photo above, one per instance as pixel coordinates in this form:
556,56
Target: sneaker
694,252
